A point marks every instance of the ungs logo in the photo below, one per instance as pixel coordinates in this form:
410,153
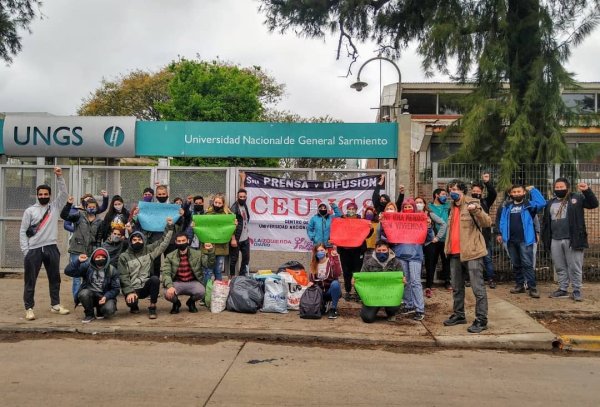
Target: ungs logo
114,136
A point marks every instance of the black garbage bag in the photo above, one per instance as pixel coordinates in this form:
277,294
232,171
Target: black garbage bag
290,265
245,295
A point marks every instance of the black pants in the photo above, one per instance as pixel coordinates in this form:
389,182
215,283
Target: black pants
432,252
89,299
150,289
234,253
49,256
351,260
369,314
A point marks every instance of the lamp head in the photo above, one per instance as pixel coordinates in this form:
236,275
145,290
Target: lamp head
359,85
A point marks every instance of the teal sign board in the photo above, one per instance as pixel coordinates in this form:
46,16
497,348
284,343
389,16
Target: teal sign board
309,140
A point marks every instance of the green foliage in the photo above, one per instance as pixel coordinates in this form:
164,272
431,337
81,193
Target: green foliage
15,15
513,51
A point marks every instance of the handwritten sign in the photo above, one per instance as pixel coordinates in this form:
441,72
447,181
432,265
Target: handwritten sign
380,288
349,232
405,227
214,228
153,216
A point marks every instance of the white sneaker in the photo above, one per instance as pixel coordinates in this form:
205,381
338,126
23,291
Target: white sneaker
29,315
59,309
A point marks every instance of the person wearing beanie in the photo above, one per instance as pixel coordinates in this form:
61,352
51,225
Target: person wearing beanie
100,284
319,225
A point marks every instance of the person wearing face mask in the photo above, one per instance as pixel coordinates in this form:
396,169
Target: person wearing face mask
382,259
319,225
86,233
465,245
371,240
100,284
240,242
477,189
325,270
438,227
351,258
37,237
68,226
219,207
564,233
183,274
115,244
517,231
117,216
410,256
440,207
380,200
136,269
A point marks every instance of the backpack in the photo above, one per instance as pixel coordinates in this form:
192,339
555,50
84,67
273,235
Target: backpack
311,302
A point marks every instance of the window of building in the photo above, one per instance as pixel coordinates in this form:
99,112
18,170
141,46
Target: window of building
441,151
421,103
580,102
452,103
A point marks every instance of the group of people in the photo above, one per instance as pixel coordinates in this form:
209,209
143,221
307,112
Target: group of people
114,254
460,235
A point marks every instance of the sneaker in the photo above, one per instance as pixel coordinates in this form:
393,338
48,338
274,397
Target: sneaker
29,315
59,309
87,319
175,307
477,326
448,286
407,311
428,293
576,296
534,293
347,297
518,289
191,306
134,309
99,314
333,314
455,320
391,318
492,283
559,294
152,312
419,316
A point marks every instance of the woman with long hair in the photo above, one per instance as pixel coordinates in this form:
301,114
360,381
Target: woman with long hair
325,269
117,216
219,207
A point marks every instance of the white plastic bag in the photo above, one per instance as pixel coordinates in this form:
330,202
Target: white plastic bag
294,290
219,295
275,299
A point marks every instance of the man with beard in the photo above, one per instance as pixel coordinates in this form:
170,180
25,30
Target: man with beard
240,242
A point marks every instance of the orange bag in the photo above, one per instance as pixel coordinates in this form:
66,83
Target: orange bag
299,275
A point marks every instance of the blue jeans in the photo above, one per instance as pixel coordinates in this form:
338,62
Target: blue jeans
521,257
413,291
76,280
216,271
488,264
333,294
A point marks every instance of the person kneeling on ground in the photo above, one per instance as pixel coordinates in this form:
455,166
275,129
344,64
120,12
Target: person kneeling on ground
382,259
183,273
100,284
136,267
325,269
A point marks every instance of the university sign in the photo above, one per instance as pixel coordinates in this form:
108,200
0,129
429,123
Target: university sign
73,136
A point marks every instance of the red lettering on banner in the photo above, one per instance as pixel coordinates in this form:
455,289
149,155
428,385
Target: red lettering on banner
408,228
253,205
346,201
297,206
278,205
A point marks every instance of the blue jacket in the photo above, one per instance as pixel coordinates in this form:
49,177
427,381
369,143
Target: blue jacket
530,209
319,227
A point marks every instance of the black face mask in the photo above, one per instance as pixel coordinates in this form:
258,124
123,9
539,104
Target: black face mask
43,201
181,246
136,247
100,263
242,201
162,199
476,196
322,212
199,208
560,193
518,198
218,208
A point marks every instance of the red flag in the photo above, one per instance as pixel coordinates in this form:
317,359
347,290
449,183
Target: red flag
405,227
347,232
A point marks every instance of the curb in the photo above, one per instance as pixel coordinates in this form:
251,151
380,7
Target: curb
585,343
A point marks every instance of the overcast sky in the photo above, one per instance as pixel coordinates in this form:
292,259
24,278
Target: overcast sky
77,43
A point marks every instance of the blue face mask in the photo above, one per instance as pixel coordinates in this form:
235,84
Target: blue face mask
382,256
455,196
442,199
320,255
91,211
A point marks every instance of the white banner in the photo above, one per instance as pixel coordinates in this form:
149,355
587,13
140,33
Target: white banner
281,208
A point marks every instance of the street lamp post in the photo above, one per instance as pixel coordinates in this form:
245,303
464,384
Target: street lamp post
360,85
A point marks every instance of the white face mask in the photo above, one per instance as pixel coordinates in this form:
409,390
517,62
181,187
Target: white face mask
420,207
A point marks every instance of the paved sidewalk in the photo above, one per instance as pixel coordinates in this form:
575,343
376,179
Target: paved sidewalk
509,326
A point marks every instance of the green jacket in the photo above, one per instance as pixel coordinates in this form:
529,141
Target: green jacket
198,261
135,268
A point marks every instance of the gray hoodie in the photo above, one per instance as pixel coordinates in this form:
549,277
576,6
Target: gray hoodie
48,234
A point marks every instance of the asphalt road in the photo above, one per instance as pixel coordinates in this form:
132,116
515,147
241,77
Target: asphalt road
73,372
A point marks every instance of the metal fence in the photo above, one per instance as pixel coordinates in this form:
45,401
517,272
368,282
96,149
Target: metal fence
542,176
18,182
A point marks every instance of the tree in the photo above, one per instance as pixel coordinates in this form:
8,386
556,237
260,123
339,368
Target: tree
522,43
15,15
